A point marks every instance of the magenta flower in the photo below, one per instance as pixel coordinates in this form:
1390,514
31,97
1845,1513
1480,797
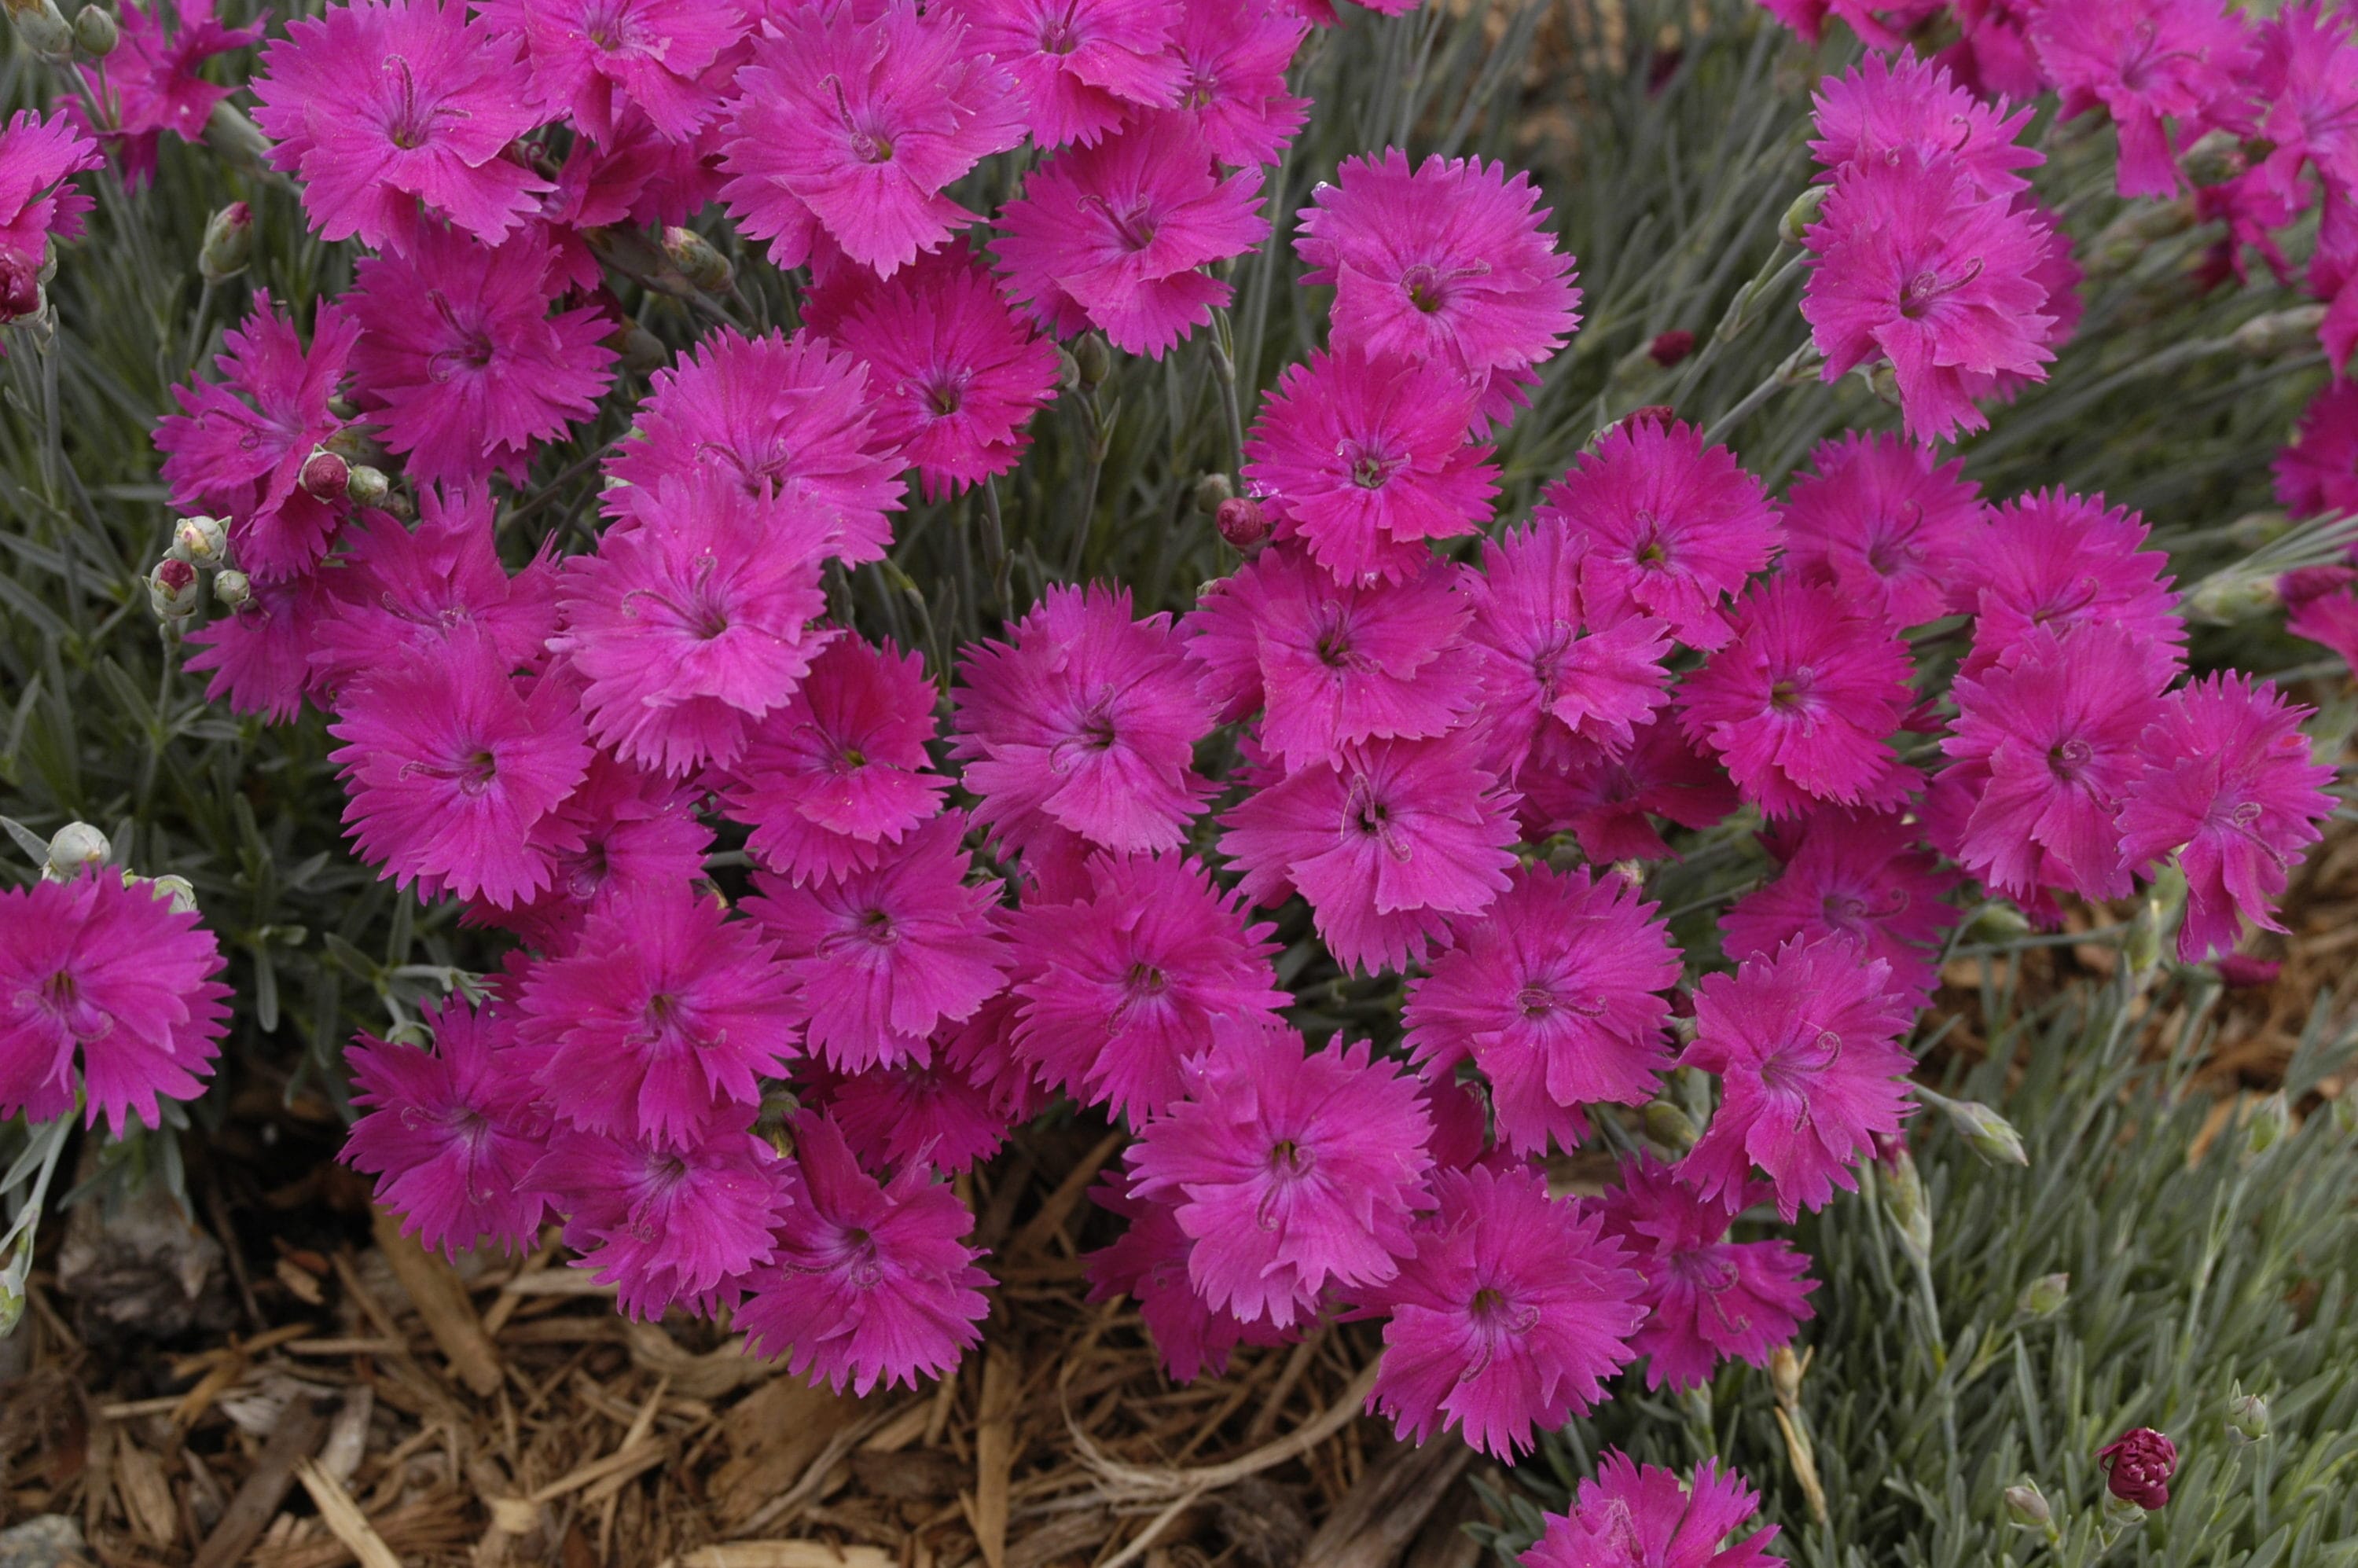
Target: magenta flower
1803,705
956,375
150,83
1115,236
1886,524
463,360
1291,1173
1632,1516
450,1133
1451,262
663,1017
1806,1044
1557,997
260,655
839,772
1866,878
37,158
1707,1299
1148,1263
1367,459
2144,61
388,111
2138,1465
1081,65
2320,605
871,1282
1673,527
1235,53
1335,665
880,957
1879,24
1551,695
1386,843
1513,1310
666,1224
2230,787
2061,561
1605,802
2318,473
1916,264
787,418
1120,988
1992,56
856,118
692,624
2306,79
593,60
104,971
449,763
398,590
1085,720
620,837
238,446
2046,749
1888,102
934,1113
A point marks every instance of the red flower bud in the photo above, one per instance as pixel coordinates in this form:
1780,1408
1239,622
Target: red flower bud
325,476
1242,522
2240,971
1672,347
2137,1467
1652,414
175,575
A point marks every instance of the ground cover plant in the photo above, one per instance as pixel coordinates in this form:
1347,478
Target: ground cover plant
1461,626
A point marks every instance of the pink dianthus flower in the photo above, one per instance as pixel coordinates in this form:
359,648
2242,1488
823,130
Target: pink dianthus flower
1235,53
389,110
2230,786
150,83
260,654
1672,527
1386,843
1367,459
2142,61
1604,802
1886,522
2318,473
871,1282
1806,1044
2059,561
1148,1263
1556,994
1081,65
1291,1173
103,972
450,1132
937,1113
622,836
1888,102
1510,1316
1847,874
593,60
37,158
1632,1516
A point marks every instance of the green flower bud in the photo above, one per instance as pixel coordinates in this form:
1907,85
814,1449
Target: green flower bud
44,30
232,589
1997,922
2226,598
1910,1210
2215,159
174,589
697,261
2026,1505
2044,1296
2270,1122
228,245
1801,214
2156,918
200,541
1211,490
1671,1127
367,486
74,849
1991,1135
1092,360
12,1305
2279,332
643,352
2247,1418
94,31
177,888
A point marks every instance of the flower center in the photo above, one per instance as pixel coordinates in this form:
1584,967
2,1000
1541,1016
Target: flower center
1371,467
1922,292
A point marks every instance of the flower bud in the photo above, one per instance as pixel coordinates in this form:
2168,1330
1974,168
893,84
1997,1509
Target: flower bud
20,286
2137,1467
228,245
1092,360
12,1306
1785,1370
73,850
2026,1505
177,888
200,541
1991,1135
2279,332
2240,971
1243,522
1669,348
1212,491
1671,1127
1996,924
232,589
2247,1418
2270,1122
2217,159
1804,212
366,486
1910,1210
2044,1296
94,31
1883,380
697,261
44,29
174,589
2225,598
2156,918
326,476
642,353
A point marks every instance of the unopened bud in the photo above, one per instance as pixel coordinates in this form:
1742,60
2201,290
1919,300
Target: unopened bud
73,850
642,353
2157,917
44,29
2026,1505
2217,159
2270,1122
1211,491
175,589
177,888
94,31
1092,360
1804,212
2044,1296
2247,1418
326,476
228,245
1785,1375
1882,379
233,588
2119,246
1910,1211
1997,922
1243,522
1669,1127
2227,598
2279,332
366,486
200,541
1991,1135
12,1306
20,285
697,261
1669,348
